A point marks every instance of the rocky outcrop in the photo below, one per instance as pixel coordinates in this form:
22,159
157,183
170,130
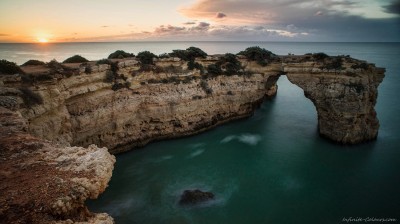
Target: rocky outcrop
129,105
344,98
84,109
194,197
41,182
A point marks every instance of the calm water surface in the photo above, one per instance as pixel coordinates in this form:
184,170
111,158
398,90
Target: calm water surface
270,168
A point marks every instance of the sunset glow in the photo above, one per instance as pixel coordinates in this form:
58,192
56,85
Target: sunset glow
133,20
43,40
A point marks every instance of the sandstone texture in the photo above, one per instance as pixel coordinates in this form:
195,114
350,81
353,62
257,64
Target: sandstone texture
42,182
84,109
58,127
344,99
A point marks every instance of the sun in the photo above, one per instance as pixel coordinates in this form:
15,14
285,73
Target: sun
43,40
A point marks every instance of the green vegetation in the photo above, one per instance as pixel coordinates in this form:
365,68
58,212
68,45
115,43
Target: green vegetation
190,54
335,64
146,57
30,98
110,76
214,70
120,54
204,85
103,61
195,65
260,55
9,68
54,65
75,59
320,56
33,62
362,65
229,64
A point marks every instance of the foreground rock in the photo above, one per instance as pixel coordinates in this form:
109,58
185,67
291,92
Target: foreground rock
41,182
193,197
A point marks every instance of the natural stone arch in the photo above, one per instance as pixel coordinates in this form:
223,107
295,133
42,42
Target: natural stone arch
344,103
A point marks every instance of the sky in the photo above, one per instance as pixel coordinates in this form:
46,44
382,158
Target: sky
199,20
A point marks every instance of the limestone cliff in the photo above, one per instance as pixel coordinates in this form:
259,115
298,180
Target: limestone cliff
84,109
126,104
41,182
344,98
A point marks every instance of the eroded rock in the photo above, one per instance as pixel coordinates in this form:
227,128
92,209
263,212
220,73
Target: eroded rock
193,197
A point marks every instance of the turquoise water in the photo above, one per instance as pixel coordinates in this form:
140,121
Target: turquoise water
270,168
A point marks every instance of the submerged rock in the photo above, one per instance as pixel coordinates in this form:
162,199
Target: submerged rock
192,197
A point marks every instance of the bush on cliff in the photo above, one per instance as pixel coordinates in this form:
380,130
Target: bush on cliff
75,59
229,64
214,70
120,54
336,64
260,55
146,57
103,61
320,56
189,54
34,63
9,68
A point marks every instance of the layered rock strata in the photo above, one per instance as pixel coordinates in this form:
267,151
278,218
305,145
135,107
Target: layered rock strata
84,109
42,182
344,99
43,179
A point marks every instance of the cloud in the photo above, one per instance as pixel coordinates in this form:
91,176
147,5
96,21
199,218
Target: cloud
189,23
4,35
338,20
393,7
169,29
220,15
105,26
319,13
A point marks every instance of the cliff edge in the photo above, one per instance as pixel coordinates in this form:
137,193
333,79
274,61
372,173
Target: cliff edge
42,182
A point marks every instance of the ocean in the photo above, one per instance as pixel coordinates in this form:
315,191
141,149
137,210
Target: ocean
270,168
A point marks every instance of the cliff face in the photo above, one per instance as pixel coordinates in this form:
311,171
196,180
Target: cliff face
46,181
42,182
84,110
344,99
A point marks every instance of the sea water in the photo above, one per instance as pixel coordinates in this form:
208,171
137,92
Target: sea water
270,168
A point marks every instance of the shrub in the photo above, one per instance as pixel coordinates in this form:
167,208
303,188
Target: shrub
146,57
9,68
204,85
54,65
165,55
119,54
75,59
260,55
230,64
88,69
320,56
110,76
33,62
195,65
189,54
43,77
362,65
103,61
214,69
30,98
336,64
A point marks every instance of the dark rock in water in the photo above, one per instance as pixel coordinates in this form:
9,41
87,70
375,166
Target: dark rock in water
192,197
